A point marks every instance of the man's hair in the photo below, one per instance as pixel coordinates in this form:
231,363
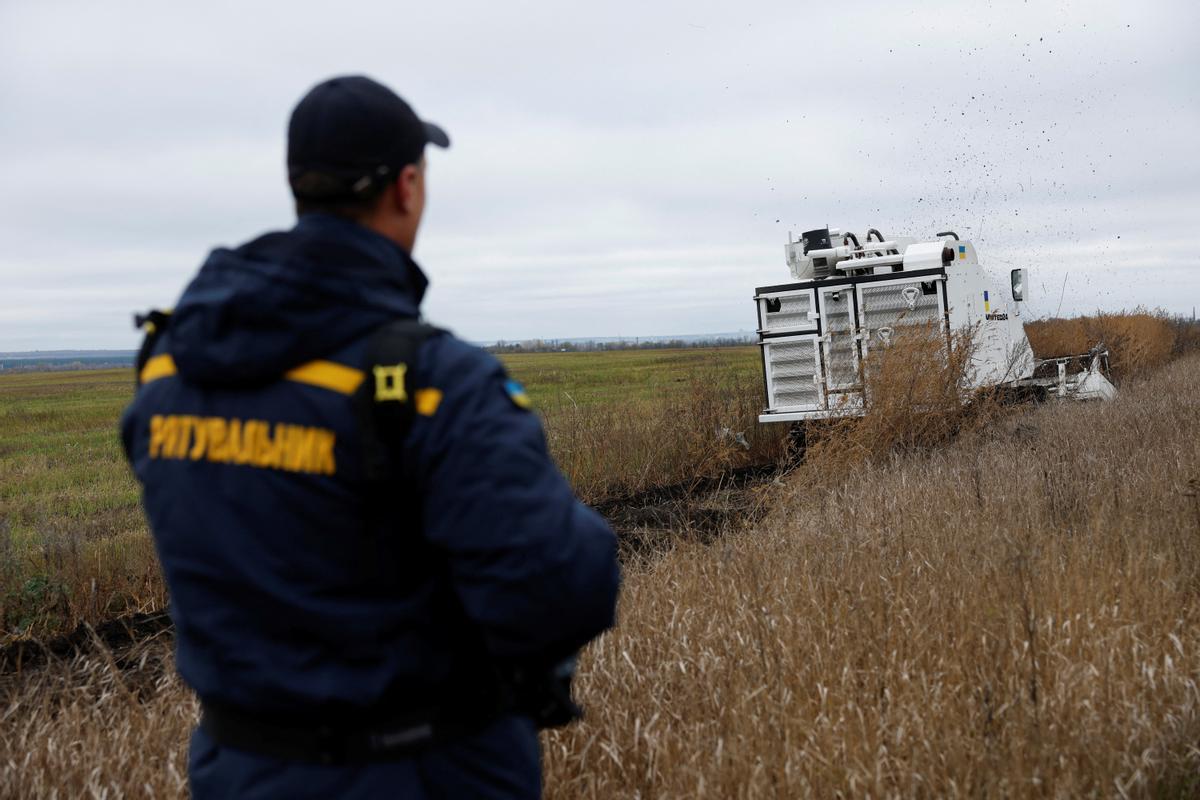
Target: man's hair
312,185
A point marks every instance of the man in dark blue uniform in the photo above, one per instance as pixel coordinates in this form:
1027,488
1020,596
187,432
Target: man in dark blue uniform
378,577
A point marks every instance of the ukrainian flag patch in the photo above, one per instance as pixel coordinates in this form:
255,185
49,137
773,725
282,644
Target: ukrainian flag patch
516,393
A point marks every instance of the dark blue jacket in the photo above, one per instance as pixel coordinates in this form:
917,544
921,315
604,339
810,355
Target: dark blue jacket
289,591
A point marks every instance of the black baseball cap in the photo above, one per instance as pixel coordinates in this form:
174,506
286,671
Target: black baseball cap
350,134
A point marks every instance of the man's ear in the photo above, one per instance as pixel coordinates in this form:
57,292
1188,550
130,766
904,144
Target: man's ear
407,188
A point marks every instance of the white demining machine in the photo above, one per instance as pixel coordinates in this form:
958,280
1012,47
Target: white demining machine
852,295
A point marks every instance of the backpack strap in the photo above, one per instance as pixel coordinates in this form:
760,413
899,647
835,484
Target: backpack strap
154,323
385,401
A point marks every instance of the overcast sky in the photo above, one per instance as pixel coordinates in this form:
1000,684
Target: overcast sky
618,168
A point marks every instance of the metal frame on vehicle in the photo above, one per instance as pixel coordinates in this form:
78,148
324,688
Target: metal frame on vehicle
796,314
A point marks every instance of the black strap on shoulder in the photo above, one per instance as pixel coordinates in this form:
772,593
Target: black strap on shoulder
154,323
385,399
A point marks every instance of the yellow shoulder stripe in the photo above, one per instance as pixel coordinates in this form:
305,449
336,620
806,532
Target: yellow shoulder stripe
158,367
427,401
323,374
327,375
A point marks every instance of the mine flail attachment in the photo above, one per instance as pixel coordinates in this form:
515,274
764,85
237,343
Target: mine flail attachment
1082,377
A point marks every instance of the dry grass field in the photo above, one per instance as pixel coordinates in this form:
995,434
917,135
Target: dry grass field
1013,615
1002,603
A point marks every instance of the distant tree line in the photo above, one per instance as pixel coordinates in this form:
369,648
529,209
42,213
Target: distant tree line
61,365
588,346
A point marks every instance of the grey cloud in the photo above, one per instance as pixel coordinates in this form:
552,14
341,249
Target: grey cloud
614,164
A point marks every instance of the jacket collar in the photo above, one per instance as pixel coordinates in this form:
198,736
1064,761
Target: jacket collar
381,253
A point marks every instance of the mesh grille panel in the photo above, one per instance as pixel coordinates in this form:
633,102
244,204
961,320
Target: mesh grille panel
841,360
790,351
792,360
806,401
793,385
897,306
792,370
840,353
792,313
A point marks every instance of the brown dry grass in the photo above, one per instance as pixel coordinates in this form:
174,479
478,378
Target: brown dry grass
612,450
1138,342
1187,335
97,727
916,399
1013,614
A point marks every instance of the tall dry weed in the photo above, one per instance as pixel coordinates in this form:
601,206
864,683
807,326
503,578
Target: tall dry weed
1138,342
918,396
1187,335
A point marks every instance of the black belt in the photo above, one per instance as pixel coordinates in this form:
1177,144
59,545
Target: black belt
323,743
